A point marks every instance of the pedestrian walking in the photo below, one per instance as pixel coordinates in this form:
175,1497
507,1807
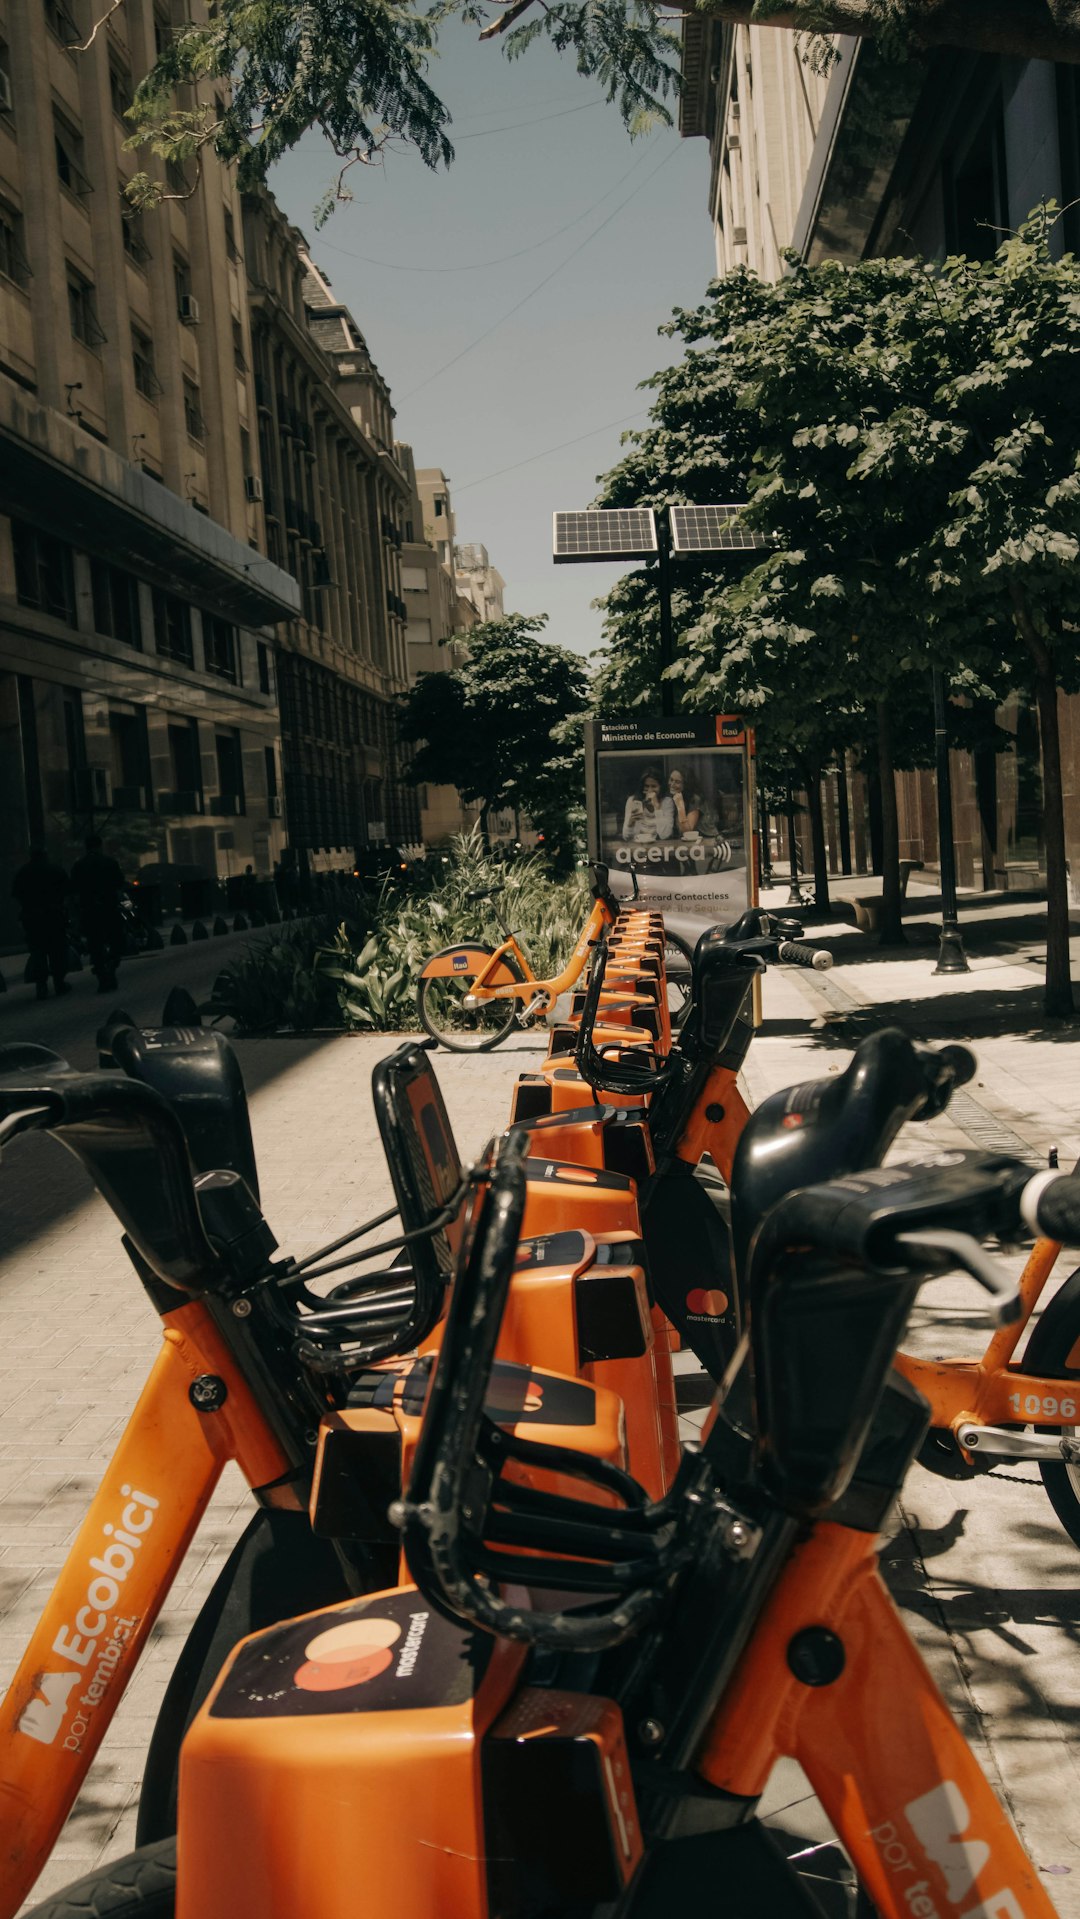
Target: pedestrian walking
98,885
40,889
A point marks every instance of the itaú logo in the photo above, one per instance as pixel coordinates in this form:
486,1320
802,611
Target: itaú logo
96,1634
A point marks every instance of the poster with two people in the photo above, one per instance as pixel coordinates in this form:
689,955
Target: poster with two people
669,801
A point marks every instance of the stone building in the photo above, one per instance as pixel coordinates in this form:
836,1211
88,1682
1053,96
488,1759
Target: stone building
136,607
335,500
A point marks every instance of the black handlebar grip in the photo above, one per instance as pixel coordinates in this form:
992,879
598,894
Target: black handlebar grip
1051,1203
794,953
960,1061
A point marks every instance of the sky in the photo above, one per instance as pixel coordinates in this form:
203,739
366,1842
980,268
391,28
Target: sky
517,375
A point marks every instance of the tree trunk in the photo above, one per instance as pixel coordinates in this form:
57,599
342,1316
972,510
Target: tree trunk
811,779
892,931
1058,1001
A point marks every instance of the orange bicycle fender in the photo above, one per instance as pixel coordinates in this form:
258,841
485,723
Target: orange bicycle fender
468,961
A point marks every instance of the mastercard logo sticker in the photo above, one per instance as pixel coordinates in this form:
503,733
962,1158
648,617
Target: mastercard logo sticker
711,1304
348,1655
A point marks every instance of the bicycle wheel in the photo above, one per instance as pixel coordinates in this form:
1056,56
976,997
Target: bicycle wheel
442,1013
679,969
1053,1351
141,1885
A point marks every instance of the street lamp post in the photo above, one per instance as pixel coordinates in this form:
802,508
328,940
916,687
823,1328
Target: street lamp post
951,955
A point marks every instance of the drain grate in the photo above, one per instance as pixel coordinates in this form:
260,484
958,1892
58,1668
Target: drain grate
984,1130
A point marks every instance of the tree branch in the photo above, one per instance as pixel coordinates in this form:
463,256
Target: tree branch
1025,29
506,19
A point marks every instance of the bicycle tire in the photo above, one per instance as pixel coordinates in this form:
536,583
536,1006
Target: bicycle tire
1054,1352
141,1885
680,978
479,1032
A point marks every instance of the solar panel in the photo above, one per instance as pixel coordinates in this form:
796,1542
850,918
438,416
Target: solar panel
711,529
606,533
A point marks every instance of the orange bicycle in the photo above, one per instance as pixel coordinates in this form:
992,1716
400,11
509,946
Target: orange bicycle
471,997
576,1709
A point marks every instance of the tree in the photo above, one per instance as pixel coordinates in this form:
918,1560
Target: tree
505,727
356,69
910,444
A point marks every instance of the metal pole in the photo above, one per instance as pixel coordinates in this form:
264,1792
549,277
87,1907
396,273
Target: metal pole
794,897
951,955
845,814
763,839
667,640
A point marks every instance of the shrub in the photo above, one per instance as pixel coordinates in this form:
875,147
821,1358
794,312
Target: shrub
377,984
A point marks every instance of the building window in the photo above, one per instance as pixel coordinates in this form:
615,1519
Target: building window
121,92
172,628
231,248
186,766
270,757
262,653
44,577
414,579
1068,92
177,180
193,419
230,772
142,359
61,23
13,262
219,647
239,361
163,33
70,151
129,754
181,281
418,632
976,193
7,92
82,310
116,604
132,232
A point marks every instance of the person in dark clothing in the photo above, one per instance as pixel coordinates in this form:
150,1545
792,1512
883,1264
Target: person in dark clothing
40,888
98,885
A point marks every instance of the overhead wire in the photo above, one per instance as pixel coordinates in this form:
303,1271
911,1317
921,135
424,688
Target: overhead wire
531,459
548,277
477,266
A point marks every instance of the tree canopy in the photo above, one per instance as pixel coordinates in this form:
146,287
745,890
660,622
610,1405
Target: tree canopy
357,70
907,440
505,727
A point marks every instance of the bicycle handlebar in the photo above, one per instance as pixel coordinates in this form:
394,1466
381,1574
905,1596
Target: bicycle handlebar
794,953
133,1147
1051,1206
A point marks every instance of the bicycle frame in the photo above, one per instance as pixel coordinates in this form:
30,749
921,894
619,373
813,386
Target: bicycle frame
877,1742
115,1580
487,984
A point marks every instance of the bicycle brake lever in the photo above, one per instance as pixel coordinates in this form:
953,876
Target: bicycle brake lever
964,1251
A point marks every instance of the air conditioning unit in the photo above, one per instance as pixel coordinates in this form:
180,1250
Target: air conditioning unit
188,308
274,806
253,488
7,100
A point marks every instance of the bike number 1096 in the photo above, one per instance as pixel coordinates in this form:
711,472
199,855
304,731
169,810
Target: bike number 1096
1034,1407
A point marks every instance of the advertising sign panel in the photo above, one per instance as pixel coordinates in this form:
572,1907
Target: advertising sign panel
669,799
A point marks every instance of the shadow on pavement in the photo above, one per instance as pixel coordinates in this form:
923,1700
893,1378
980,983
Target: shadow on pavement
40,1182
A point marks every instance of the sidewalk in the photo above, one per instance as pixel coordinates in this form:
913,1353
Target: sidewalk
984,1574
